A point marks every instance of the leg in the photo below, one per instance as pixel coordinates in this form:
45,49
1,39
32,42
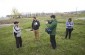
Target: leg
36,32
17,42
70,30
53,41
20,41
15,34
66,33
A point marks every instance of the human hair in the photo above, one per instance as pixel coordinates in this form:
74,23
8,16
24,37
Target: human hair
34,17
52,16
16,22
70,19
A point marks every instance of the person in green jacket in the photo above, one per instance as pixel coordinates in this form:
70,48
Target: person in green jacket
52,24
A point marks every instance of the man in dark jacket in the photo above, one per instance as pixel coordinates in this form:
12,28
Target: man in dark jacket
35,27
53,25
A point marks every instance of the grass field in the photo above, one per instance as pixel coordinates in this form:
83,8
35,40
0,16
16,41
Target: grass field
74,46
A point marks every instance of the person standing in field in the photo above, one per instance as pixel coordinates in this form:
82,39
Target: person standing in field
52,26
35,27
17,34
69,28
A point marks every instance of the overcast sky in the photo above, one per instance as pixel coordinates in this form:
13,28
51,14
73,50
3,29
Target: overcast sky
34,6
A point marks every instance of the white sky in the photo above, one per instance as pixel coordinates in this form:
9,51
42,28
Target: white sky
34,6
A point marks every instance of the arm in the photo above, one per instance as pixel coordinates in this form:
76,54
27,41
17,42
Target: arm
72,24
52,25
69,24
38,23
32,24
17,29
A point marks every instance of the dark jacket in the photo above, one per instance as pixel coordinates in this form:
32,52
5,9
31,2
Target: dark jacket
35,24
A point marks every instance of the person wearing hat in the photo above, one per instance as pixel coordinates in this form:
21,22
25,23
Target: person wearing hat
52,24
17,34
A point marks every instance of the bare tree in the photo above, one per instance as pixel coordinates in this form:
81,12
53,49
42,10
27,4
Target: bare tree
15,13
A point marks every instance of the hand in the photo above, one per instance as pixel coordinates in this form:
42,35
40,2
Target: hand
46,22
31,30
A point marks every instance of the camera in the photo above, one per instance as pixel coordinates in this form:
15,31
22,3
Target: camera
49,21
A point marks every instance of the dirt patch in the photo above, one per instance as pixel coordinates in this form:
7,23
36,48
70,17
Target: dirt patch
8,21
4,25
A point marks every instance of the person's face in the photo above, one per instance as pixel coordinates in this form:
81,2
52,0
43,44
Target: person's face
69,20
34,19
16,24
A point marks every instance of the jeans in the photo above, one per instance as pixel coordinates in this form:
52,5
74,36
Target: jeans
68,32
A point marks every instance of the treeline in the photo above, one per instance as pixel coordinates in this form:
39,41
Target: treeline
65,14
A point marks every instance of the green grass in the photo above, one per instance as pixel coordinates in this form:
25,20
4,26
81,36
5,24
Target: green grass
74,46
